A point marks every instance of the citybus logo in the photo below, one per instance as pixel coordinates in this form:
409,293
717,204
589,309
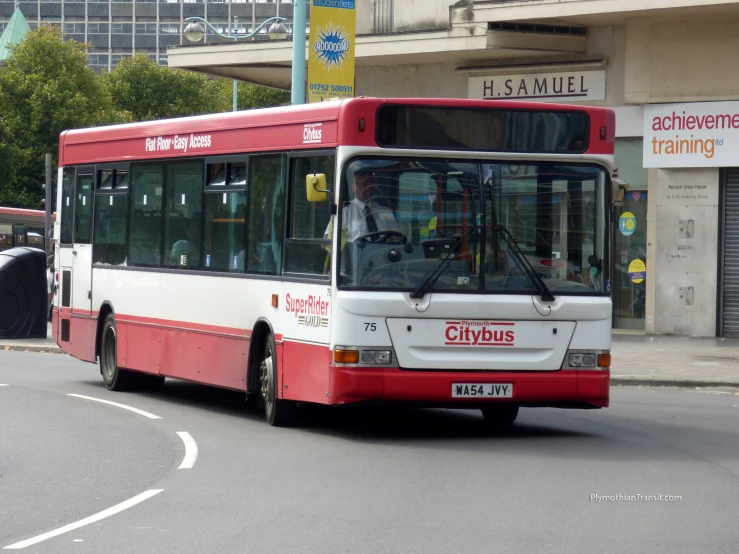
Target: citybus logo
310,312
312,133
478,333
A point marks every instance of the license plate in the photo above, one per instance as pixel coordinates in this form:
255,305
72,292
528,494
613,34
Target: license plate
482,390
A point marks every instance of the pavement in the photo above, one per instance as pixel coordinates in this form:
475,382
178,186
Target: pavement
637,359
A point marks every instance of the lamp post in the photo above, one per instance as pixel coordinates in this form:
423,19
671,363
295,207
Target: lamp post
297,90
277,30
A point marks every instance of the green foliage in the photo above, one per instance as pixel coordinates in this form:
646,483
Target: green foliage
255,96
148,91
46,87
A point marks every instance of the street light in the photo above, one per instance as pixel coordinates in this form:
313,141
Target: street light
194,32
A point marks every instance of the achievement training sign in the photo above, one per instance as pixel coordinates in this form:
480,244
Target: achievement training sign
331,49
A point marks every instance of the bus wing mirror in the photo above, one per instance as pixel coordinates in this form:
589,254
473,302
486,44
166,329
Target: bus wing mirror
618,190
315,187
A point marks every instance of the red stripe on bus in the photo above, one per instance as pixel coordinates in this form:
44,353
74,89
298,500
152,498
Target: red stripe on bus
168,324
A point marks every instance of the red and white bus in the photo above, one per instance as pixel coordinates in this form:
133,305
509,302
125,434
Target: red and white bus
21,227
208,249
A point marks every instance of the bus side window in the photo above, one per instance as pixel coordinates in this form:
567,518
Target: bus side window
266,215
67,208
111,217
83,209
183,215
309,221
145,223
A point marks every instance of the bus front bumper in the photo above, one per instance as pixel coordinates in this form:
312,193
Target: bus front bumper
565,388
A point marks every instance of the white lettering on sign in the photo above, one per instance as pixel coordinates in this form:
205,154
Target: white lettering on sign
312,133
576,86
700,134
177,143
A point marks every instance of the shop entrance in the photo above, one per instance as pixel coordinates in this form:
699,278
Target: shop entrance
630,273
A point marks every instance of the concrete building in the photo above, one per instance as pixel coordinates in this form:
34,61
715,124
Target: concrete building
665,66
118,29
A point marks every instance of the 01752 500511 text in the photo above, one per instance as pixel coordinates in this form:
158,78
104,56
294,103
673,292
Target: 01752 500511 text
321,87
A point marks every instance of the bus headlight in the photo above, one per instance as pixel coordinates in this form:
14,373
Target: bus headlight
600,359
581,360
379,357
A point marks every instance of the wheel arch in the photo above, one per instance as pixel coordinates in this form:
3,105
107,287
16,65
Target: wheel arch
262,329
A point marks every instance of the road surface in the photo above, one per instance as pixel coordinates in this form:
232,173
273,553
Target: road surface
194,470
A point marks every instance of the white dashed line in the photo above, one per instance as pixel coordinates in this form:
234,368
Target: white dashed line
1,385
87,521
191,450
136,410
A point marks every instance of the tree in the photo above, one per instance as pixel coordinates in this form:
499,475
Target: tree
149,91
255,96
45,88
10,159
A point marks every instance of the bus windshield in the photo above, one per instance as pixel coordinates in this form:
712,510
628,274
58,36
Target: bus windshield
491,223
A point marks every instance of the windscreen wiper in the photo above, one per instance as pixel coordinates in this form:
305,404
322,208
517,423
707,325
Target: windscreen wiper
440,268
523,261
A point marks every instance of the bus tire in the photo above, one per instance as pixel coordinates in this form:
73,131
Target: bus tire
279,413
115,378
500,415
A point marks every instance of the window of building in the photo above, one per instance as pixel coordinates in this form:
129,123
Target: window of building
307,243
630,239
145,217
266,214
182,220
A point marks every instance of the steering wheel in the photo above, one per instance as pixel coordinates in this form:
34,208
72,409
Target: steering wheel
385,236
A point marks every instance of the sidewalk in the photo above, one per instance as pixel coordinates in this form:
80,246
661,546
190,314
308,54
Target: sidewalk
33,345
645,360
675,361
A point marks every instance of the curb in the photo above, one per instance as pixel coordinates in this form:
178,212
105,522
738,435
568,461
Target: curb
674,383
28,348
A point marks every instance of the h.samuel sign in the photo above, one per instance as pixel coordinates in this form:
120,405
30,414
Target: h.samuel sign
576,86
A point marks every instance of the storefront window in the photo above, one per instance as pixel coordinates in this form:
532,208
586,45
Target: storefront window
630,244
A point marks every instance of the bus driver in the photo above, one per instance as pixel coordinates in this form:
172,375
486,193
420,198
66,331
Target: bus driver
364,214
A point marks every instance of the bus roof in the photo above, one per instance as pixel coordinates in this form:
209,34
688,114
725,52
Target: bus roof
24,213
326,124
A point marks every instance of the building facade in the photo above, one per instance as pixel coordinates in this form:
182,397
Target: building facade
664,66
118,29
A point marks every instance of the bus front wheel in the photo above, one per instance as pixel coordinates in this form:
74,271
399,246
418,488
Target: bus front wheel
279,413
500,415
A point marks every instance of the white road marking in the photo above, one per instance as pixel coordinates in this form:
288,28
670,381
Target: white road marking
191,450
81,523
1,385
136,410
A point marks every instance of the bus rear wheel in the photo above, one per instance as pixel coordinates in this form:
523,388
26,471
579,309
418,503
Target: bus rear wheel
499,415
279,413
115,378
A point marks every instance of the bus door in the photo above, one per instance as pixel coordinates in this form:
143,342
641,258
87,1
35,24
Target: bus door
82,244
